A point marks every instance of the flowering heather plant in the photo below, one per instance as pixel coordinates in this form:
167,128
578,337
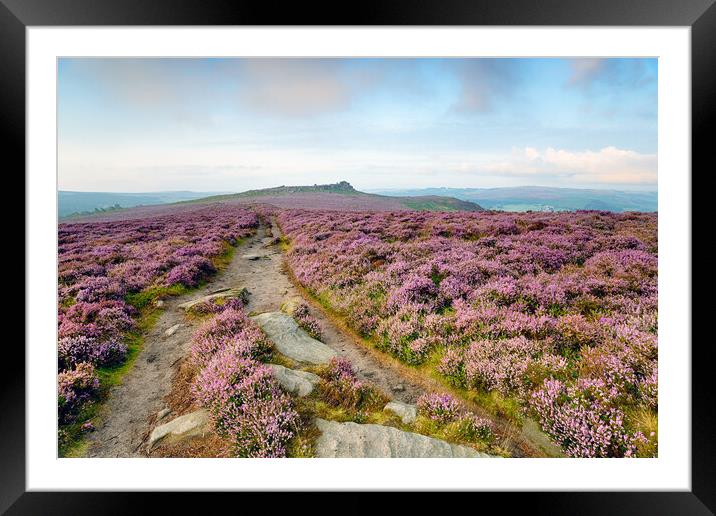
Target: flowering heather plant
305,320
246,404
342,387
547,295
75,387
75,350
441,408
98,288
224,369
472,427
501,365
584,419
228,327
109,318
264,421
190,272
648,390
452,366
449,414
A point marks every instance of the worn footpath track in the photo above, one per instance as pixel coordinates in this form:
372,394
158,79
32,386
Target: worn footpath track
131,407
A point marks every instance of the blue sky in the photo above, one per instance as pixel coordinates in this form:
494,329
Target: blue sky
134,125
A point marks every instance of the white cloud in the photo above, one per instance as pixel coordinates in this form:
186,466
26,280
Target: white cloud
608,165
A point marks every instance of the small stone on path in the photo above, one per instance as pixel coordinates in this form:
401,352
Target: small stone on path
171,331
252,257
163,413
194,424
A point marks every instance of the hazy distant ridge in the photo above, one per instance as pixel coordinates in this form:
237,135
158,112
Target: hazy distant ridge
541,198
86,202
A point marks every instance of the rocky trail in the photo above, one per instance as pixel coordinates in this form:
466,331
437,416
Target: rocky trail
135,415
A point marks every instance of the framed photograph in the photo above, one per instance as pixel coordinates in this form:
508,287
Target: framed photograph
435,247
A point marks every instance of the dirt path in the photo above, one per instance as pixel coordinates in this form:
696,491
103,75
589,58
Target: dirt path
133,405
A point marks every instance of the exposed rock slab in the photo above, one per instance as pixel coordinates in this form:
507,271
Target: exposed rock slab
378,441
291,340
226,293
407,413
294,381
171,331
194,424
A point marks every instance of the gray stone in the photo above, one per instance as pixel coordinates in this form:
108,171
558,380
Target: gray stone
224,293
252,257
163,413
291,340
294,381
194,424
406,413
171,331
399,388
159,303
378,441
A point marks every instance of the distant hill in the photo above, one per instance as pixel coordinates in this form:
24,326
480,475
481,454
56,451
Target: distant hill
539,198
83,203
342,195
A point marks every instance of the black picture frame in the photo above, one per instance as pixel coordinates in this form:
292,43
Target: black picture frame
699,15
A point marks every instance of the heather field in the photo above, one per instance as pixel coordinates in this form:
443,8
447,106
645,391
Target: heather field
109,276
548,316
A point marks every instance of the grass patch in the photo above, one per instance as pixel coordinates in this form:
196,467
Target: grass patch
147,297
496,403
647,422
282,360
456,432
68,302
303,444
223,260
111,376
71,442
284,244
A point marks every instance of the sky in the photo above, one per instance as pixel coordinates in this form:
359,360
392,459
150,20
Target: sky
233,124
